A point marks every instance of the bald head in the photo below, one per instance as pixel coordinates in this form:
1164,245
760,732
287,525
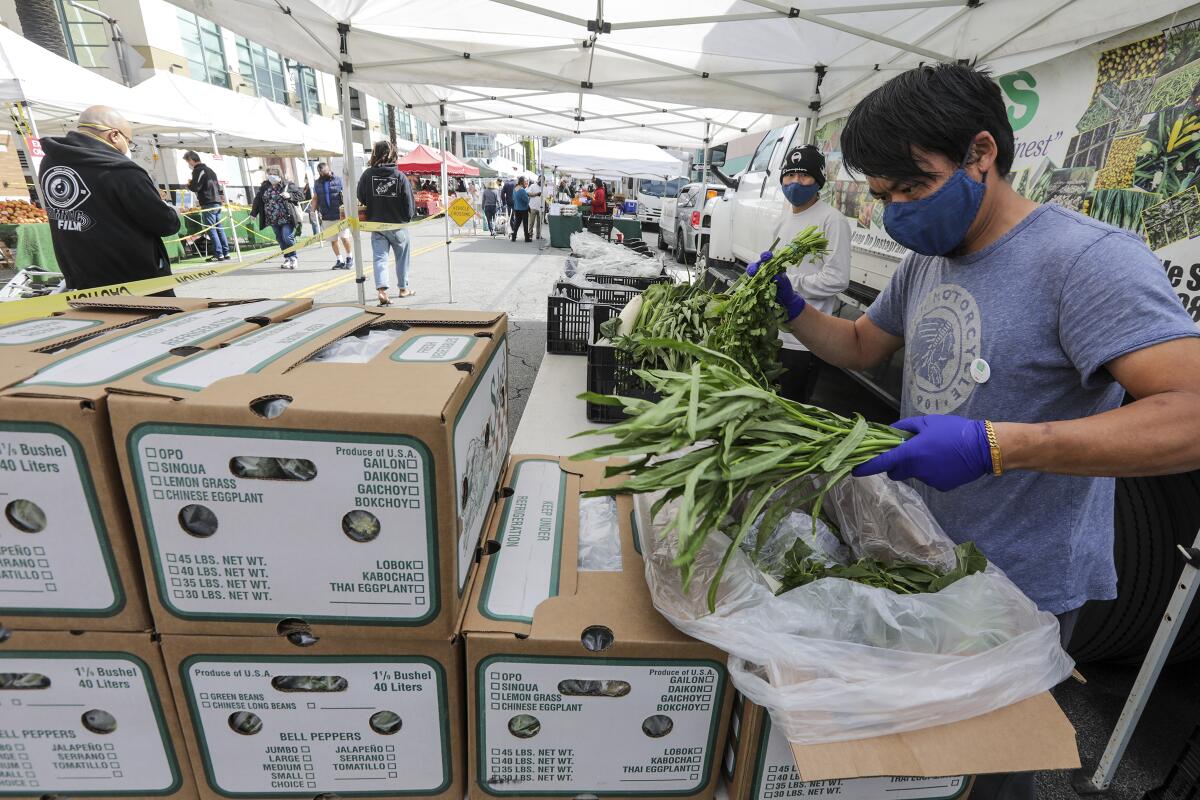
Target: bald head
107,124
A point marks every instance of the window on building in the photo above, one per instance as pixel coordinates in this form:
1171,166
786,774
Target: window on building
203,48
262,69
477,145
404,121
306,85
85,34
385,127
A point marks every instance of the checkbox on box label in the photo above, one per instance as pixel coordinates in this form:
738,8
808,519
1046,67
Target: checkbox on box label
173,570
312,705
155,480
171,558
306,749
495,706
118,774
310,775
158,494
43,562
152,466
51,587
176,582
206,704
39,551
312,785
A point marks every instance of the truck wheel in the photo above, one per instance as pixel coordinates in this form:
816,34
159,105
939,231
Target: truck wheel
662,243
680,253
1152,516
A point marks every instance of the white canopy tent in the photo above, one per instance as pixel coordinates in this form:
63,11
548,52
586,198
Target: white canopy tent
227,120
55,90
764,57
583,156
667,74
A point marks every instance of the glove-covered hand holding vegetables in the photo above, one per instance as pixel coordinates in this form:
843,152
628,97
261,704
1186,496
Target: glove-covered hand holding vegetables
785,294
945,452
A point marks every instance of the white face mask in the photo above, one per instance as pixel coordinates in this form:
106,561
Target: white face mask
273,178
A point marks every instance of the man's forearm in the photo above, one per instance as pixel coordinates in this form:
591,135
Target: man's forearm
1157,435
832,339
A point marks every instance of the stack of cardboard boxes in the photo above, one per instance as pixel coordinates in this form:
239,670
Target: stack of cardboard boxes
85,704
260,549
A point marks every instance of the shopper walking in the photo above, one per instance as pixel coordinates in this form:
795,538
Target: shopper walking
328,197
207,188
491,202
520,210
107,218
386,195
535,207
506,197
277,204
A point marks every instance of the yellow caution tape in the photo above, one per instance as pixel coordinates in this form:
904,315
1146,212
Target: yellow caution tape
17,310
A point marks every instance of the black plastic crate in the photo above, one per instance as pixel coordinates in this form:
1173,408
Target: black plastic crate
613,295
571,322
628,280
600,225
610,371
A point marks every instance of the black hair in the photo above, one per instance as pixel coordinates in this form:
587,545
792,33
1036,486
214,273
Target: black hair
939,109
382,154
321,164
191,155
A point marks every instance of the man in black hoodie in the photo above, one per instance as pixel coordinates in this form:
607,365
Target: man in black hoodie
107,218
207,187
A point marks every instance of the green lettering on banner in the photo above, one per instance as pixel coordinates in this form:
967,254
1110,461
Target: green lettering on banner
1026,99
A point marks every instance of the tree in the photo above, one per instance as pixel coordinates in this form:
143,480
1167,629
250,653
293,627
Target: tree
391,120
40,25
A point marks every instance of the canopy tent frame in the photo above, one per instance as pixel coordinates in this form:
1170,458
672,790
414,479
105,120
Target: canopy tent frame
350,196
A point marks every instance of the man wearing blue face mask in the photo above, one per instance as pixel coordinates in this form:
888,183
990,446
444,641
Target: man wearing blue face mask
817,280
1023,326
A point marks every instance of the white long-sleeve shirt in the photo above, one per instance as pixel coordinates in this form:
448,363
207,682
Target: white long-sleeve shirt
817,280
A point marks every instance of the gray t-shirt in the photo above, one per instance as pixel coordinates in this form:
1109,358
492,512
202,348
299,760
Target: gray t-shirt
1046,307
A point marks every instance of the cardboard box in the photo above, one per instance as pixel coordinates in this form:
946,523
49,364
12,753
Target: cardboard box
759,766
384,717
575,684
67,555
373,517
88,319
88,714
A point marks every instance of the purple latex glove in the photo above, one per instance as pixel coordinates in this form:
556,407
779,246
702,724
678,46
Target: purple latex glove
946,452
785,293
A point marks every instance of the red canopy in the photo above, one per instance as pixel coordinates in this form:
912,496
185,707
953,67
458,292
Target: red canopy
428,161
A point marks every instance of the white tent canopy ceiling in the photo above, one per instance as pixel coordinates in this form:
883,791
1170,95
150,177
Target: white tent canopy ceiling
624,159
239,123
56,90
763,57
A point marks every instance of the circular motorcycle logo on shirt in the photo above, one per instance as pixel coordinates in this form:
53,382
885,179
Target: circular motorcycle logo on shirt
64,189
942,344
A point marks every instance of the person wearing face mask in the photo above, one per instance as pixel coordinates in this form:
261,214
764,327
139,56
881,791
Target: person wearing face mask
818,280
276,205
107,218
1023,326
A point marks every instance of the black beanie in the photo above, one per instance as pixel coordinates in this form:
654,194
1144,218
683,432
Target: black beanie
805,158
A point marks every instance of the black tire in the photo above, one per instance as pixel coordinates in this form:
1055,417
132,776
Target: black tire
1143,548
662,243
679,252
1184,491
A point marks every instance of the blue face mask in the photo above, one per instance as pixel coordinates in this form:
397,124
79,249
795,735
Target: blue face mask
935,225
798,194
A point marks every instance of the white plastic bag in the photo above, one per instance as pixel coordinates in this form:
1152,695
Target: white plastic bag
358,349
836,660
599,535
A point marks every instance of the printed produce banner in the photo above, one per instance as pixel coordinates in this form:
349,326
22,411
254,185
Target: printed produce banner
1111,132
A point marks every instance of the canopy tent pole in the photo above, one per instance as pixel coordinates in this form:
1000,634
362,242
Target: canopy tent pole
212,137
704,172
162,162
350,196
445,199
